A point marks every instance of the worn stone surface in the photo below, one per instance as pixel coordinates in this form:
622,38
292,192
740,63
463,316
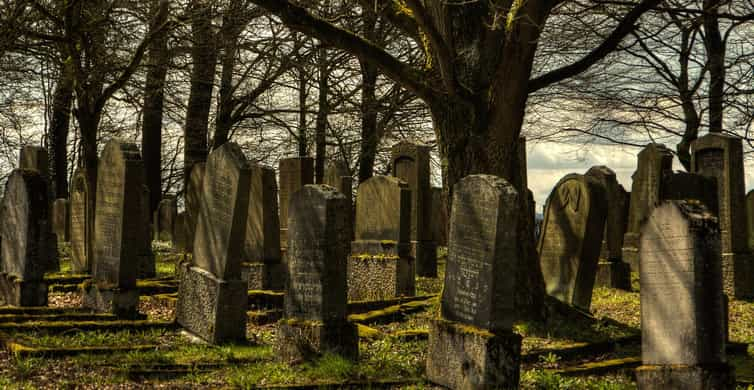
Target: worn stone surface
383,210
264,276
306,340
613,274
165,219
294,174
338,176
571,238
262,242
15,292
179,232
193,201
701,377
61,225
682,307
380,277
34,158
439,217
82,222
689,186
122,302
147,267
750,218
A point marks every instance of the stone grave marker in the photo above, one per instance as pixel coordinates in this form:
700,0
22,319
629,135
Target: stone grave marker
179,232
82,222
193,200
439,217
750,218
165,219
294,174
61,221
34,158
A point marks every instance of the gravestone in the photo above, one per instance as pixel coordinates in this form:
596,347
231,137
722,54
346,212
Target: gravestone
380,266
750,218
569,246
294,174
654,162
472,345
165,219
34,158
315,301
721,157
119,228
82,223
439,217
179,232
27,247
611,270
338,176
212,296
410,162
262,265
682,303
61,222
193,200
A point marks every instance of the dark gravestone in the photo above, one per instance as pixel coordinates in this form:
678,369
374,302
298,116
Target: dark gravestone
472,346
380,265
439,217
261,251
611,270
34,158
179,232
682,304
165,219
721,157
338,176
211,295
82,223
27,247
294,174
410,162
750,218
193,200
119,228
61,222
569,246
315,301
654,162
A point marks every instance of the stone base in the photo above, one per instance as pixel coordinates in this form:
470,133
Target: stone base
384,247
16,292
120,302
211,308
738,280
613,274
705,377
463,357
299,340
631,257
425,254
262,276
147,267
374,278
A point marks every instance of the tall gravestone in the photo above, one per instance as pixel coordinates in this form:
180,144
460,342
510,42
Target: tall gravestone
380,265
721,157
262,265
193,201
439,217
82,224
61,221
472,345
410,162
654,162
338,176
315,302
27,247
294,174
119,226
34,158
750,218
165,219
611,270
571,239
179,232
211,295
682,303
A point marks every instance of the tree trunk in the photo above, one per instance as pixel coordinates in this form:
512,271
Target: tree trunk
233,24
369,136
320,131
61,117
716,58
303,147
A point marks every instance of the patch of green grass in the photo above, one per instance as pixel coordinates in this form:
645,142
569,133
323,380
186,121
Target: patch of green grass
92,338
544,380
391,358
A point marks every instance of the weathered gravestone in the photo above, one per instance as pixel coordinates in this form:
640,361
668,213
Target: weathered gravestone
611,270
34,158
472,345
179,232
750,218
165,219
193,201
654,162
262,265
315,300
61,221
211,295
27,247
439,217
380,265
410,162
294,174
569,246
338,176
82,223
721,157
682,305
120,223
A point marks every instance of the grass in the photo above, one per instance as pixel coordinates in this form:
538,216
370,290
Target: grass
76,338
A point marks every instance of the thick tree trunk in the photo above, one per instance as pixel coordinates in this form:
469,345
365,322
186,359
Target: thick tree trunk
233,24
320,130
716,59
303,142
369,137
59,125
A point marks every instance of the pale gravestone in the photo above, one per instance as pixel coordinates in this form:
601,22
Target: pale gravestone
611,270
569,246
315,302
82,221
721,157
120,224
682,303
165,219
410,162
472,345
28,241
654,162
380,266
61,222
193,200
439,217
212,296
294,174
262,265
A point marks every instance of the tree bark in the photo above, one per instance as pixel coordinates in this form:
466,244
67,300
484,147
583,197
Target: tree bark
716,58
369,137
62,101
233,24
303,142
320,129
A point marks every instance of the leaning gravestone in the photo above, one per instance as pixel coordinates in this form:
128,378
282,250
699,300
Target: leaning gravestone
61,222
294,174
682,304
472,345
193,200
82,221
569,246
118,226
262,265
27,248
380,266
750,218
315,301
721,157
211,295
654,162
410,162
611,270
165,218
